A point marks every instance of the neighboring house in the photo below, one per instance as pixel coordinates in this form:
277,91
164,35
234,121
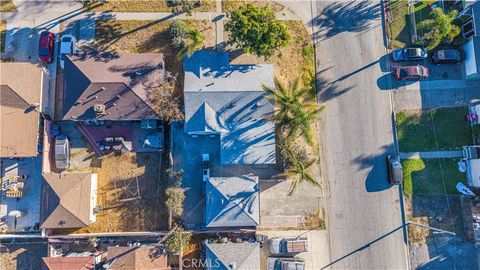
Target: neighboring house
68,263
471,30
68,200
232,202
110,89
229,100
20,102
472,159
135,258
228,256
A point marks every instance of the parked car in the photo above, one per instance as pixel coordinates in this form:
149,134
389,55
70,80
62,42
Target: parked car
447,56
205,167
62,152
409,54
288,245
411,73
395,170
46,45
285,264
67,46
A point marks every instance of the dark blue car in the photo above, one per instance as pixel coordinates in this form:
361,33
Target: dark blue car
409,54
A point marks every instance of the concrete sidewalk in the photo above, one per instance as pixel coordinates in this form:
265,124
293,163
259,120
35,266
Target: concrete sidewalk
441,84
431,154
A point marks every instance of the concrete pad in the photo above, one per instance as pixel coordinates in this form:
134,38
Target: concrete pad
318,255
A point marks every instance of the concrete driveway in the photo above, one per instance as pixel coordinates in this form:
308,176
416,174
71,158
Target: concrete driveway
317,255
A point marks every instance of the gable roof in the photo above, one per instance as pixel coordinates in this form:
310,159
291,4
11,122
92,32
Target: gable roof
72,263
225,256
237,108
232,202
120,83
66,200
136,258
20,90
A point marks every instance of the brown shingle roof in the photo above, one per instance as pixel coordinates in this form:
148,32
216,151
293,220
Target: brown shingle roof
136,258
68,263
66,200
20,88
120,84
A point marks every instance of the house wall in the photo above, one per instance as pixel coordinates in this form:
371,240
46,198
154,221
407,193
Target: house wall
93,196
470,63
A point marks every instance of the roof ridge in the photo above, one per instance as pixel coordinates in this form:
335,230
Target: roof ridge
253,250
7,87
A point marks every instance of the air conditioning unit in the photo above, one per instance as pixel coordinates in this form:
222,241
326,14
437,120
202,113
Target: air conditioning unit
99,108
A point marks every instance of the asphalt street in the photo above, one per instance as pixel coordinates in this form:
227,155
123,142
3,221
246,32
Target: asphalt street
364,214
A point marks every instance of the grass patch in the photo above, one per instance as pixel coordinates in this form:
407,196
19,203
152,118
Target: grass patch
398,31
417,131
230,5
422,12
145,6
3,32
147,37
424,176
7,6
290,62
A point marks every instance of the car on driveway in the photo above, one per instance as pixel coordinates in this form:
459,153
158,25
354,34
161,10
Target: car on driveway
285,264
62,152
46,46
67,46
447,56
411,73
288,246
409,54
395,170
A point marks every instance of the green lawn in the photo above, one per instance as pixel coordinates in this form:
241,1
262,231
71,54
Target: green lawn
424,176
422,13
398,32
416,130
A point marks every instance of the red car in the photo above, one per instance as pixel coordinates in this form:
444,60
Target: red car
46,46
411,73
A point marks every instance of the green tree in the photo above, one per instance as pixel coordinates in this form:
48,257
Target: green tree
440,29
178,31
256,30
293,109
195,41
177,240
174,201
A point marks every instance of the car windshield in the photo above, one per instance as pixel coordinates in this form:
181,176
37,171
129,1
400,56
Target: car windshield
403,73
413,52
419,70
66,39
283,246
43,51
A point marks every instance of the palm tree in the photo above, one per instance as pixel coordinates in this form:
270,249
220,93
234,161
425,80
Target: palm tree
293,110
298,173
196,41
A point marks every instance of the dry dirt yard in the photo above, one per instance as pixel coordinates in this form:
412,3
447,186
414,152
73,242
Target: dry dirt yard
22,256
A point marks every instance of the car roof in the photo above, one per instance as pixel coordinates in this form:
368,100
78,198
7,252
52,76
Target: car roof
448,54
413,51
411,70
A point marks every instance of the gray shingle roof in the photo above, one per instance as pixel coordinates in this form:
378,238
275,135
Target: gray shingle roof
239,110
225,256
232,202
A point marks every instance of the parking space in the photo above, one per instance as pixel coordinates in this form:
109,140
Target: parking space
26,175
317,255
436,72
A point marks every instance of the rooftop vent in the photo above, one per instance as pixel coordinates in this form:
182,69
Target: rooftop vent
78,102
102,88
99,108
232,266
259,104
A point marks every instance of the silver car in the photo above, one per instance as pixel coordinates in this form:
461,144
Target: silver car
62,152
395,170
288,245
285,264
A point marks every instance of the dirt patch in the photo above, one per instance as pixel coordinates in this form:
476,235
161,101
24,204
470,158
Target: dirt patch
130,194
7,6
22,256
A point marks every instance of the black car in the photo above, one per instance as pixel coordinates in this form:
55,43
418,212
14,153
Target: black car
409,54
395,170
448,56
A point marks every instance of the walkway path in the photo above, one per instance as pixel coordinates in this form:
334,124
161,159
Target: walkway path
431,154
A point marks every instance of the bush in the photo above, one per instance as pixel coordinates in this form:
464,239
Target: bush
174,202
178,33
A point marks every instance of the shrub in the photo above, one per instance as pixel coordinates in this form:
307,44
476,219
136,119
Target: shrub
178,33
177,240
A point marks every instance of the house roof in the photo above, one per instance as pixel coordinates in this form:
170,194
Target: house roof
66,200
120,83
238,256
232,202
71,263
136,258
229,99
20,90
